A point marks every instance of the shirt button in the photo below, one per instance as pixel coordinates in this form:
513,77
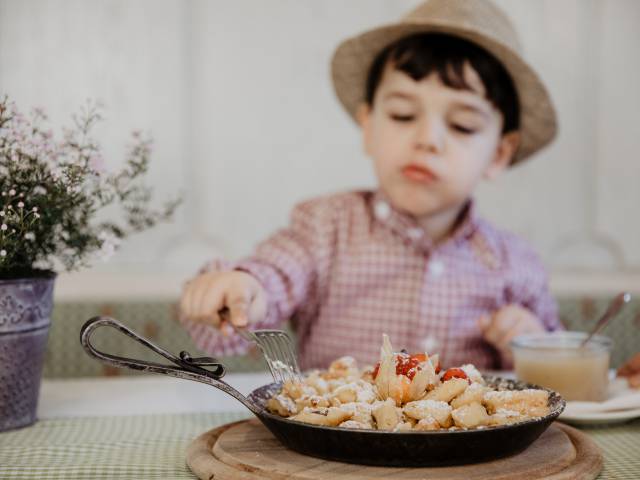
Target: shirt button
382,210
429,344
436,268
415,233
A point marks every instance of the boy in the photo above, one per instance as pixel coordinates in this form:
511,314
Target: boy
444,100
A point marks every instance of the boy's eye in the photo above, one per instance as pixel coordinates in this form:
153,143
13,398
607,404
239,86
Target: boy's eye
463,129
402,118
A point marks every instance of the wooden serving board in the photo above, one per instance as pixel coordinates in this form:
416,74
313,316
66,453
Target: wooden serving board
246,450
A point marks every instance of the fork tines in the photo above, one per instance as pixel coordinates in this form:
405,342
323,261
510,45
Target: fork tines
278,350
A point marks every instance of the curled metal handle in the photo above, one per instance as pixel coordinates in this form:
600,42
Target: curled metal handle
185,366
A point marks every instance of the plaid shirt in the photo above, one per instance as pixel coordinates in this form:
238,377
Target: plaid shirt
349,268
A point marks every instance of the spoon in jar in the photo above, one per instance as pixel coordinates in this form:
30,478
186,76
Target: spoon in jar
614,307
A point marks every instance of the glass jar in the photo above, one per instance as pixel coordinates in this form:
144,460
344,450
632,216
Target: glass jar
557,361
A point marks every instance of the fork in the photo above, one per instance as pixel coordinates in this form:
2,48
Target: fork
276,346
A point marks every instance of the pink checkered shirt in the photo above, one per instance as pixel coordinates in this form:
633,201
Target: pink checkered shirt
349,268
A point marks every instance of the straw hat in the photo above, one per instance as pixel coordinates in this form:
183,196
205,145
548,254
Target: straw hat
478,21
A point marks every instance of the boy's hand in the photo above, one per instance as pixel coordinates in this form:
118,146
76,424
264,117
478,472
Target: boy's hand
207,294
631,370
505,324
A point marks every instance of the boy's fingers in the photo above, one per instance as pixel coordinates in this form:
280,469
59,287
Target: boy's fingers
207,301
519,324
212,317
519,328
238,309
204,298
523,322
483,322
226,329
258,308
499,327
191,297
189,301
185,300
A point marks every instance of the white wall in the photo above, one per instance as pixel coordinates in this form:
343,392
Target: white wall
238,98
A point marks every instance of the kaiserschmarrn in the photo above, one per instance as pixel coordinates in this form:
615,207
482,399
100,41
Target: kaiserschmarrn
404,392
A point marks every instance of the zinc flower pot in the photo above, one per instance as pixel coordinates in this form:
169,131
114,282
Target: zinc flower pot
51,193
25,318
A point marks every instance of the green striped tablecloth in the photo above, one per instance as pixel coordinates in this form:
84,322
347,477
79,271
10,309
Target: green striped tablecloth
153,446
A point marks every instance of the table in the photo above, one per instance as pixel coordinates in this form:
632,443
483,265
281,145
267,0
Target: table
139,427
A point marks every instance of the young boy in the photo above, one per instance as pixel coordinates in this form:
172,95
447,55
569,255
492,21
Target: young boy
444,100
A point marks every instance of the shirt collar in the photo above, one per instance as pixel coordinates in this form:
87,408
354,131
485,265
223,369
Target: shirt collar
408,228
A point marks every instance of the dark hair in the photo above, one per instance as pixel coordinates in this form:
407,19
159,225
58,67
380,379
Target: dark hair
420,55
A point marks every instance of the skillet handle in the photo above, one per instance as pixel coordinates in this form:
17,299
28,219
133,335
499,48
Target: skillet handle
185,366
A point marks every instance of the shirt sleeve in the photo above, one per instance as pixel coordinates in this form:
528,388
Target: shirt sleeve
291,264
529,287
287,265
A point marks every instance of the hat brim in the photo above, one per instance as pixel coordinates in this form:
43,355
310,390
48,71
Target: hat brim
353,59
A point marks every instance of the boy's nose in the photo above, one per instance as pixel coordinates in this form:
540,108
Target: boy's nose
428,136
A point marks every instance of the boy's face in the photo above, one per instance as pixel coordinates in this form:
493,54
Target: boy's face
431,144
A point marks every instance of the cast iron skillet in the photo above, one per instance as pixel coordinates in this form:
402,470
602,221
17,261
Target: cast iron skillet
368,447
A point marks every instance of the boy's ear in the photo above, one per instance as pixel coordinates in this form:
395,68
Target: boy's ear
504,154
363,115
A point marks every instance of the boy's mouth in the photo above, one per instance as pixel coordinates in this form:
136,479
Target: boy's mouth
418,173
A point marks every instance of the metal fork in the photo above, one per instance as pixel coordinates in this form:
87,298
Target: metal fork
277,348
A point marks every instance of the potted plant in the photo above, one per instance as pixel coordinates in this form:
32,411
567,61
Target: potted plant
53,196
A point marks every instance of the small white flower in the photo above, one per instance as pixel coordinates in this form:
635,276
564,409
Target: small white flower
20,205
34,209
3,227
2,214
3,253
30,236
97,164
110,244
37,215
42,265
12,192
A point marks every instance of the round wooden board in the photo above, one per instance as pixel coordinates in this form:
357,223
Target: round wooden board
246,450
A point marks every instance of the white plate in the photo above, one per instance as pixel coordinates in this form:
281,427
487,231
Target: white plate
617,388
601,417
